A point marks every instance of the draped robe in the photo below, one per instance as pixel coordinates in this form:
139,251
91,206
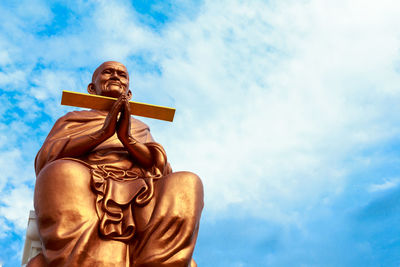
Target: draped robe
104,209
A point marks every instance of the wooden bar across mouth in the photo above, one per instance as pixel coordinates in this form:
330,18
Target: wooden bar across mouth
104,103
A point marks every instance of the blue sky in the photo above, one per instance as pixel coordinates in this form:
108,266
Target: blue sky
289,111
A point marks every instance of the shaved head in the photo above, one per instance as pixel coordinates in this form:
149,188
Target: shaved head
103,66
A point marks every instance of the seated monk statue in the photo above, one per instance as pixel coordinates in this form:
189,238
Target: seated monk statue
105,194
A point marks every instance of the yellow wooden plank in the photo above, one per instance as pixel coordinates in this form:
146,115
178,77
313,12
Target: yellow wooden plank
104,103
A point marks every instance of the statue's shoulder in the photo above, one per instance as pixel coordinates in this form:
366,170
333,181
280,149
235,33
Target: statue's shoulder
82,115
138,124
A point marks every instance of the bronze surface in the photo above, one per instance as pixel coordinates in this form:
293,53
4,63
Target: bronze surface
105,193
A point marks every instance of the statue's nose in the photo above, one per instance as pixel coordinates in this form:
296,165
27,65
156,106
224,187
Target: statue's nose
114,76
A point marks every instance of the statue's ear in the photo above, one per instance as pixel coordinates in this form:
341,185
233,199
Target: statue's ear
129,94
91,89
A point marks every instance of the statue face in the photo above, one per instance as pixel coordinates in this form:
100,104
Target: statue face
110,79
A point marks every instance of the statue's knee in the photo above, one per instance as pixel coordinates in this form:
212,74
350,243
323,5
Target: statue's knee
185,184
64,174
64,168
63,186
62,180
188,181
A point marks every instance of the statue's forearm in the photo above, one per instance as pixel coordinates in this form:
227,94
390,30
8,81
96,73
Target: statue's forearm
82,145
140,152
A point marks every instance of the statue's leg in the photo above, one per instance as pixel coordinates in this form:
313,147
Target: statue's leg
167,227
37,261
67,219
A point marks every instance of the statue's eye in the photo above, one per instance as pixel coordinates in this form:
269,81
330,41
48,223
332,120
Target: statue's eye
107,71
123,74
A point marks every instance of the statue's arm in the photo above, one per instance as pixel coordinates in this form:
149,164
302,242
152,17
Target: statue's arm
81,145
137,150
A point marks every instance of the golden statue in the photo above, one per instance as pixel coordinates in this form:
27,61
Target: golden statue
105,193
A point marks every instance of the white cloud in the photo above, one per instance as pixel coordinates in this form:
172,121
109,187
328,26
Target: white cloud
9,163
4,58
388,184
16,205
12,79
4,228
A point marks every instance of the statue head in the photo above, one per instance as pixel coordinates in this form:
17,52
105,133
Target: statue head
110,79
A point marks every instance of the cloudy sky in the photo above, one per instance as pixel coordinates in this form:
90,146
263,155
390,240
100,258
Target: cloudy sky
288,110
